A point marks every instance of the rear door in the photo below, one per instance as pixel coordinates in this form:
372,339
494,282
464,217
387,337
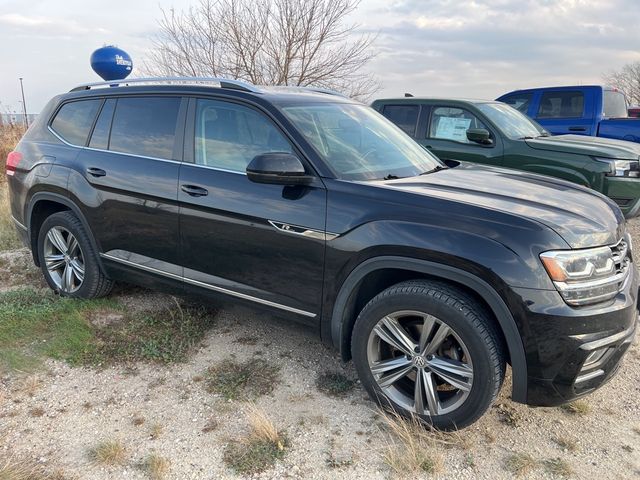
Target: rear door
566,111
446,136
255,242
128,182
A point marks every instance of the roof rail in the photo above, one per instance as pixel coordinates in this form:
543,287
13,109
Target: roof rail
296,88
218,82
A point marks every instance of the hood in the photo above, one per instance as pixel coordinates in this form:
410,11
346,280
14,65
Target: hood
582,217
583,145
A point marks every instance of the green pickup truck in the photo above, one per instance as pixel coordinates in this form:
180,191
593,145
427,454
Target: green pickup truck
494,133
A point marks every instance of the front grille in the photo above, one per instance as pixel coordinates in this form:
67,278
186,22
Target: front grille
620,252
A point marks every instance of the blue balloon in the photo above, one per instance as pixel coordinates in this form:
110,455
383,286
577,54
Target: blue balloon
111,63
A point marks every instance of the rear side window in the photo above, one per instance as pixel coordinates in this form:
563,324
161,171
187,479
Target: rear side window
614,104
74,120
100,135
404,116
520,101
145,126
561,105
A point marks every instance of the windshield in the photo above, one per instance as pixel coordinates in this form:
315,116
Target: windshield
510,121
358,143
614,104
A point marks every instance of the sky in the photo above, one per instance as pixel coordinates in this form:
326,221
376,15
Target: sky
453,48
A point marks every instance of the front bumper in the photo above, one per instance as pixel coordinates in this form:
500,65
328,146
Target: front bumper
573,351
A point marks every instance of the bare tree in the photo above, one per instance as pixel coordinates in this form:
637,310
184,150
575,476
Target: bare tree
266,42
626,79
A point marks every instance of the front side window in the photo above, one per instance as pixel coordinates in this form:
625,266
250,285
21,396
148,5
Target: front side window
452,123
561,105
519,101
74,120
404,116
358,143
512,123
228,136
145,126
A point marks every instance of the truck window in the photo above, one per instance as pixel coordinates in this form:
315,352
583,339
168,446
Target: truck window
561,105
519,101
404,116
614,105
452,123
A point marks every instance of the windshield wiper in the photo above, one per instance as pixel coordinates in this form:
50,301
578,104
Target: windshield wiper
391,177
437,168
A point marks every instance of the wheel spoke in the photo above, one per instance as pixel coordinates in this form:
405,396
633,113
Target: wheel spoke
394,377
427,328
455,373
418,393
67,278
57,240
72,245
78,269
395,335
54,262
431,392
385,366
442,332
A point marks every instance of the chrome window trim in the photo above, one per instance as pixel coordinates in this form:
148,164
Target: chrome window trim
302,231
209,286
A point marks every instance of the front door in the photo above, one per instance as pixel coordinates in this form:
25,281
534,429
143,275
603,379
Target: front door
446,137
255,242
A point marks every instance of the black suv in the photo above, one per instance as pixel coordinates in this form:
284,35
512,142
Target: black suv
431,277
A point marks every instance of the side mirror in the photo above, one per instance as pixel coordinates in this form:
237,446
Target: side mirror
278,168
479,135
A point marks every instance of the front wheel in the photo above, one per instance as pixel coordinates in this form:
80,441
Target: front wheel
426,348
68,261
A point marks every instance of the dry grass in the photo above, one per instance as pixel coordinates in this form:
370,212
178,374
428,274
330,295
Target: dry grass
15,469
558,467
36,412
156,466
108,452
260,449
520,463
579,407
9,137
412,448
137,421
156,430
29,385
248,380
334,384
567,443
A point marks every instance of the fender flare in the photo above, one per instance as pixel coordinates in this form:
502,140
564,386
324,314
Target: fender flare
61,199
497,305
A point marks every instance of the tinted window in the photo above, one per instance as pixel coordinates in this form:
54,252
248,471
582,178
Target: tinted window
519,101
452,123
229,136
100,135
74,120
145,126
561,105
615,105
404,116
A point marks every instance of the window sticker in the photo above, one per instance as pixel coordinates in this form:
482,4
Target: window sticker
452,128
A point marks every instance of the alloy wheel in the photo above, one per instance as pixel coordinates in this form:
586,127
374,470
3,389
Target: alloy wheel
64,259
420,363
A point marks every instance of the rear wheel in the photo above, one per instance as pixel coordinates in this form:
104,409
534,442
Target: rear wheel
428,349
68,260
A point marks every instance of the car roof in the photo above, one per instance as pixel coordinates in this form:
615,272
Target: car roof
472,101
280,95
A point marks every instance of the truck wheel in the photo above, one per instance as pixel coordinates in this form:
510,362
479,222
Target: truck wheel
67,259
426,348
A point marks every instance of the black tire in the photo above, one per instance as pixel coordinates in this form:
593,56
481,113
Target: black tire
469,321
94,283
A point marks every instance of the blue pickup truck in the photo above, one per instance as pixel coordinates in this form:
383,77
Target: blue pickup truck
580,110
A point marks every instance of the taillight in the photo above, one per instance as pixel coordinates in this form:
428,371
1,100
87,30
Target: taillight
13,159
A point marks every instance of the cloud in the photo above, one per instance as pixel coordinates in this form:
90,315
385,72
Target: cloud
47,26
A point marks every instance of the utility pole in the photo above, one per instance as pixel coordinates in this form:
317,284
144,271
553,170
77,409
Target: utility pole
24,105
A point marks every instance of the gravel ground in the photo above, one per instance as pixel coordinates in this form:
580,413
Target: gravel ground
330,438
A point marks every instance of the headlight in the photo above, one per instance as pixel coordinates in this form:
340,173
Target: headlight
621,168
588,276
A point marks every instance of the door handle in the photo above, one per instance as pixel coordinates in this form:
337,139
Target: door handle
577,129
96,172
194,191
